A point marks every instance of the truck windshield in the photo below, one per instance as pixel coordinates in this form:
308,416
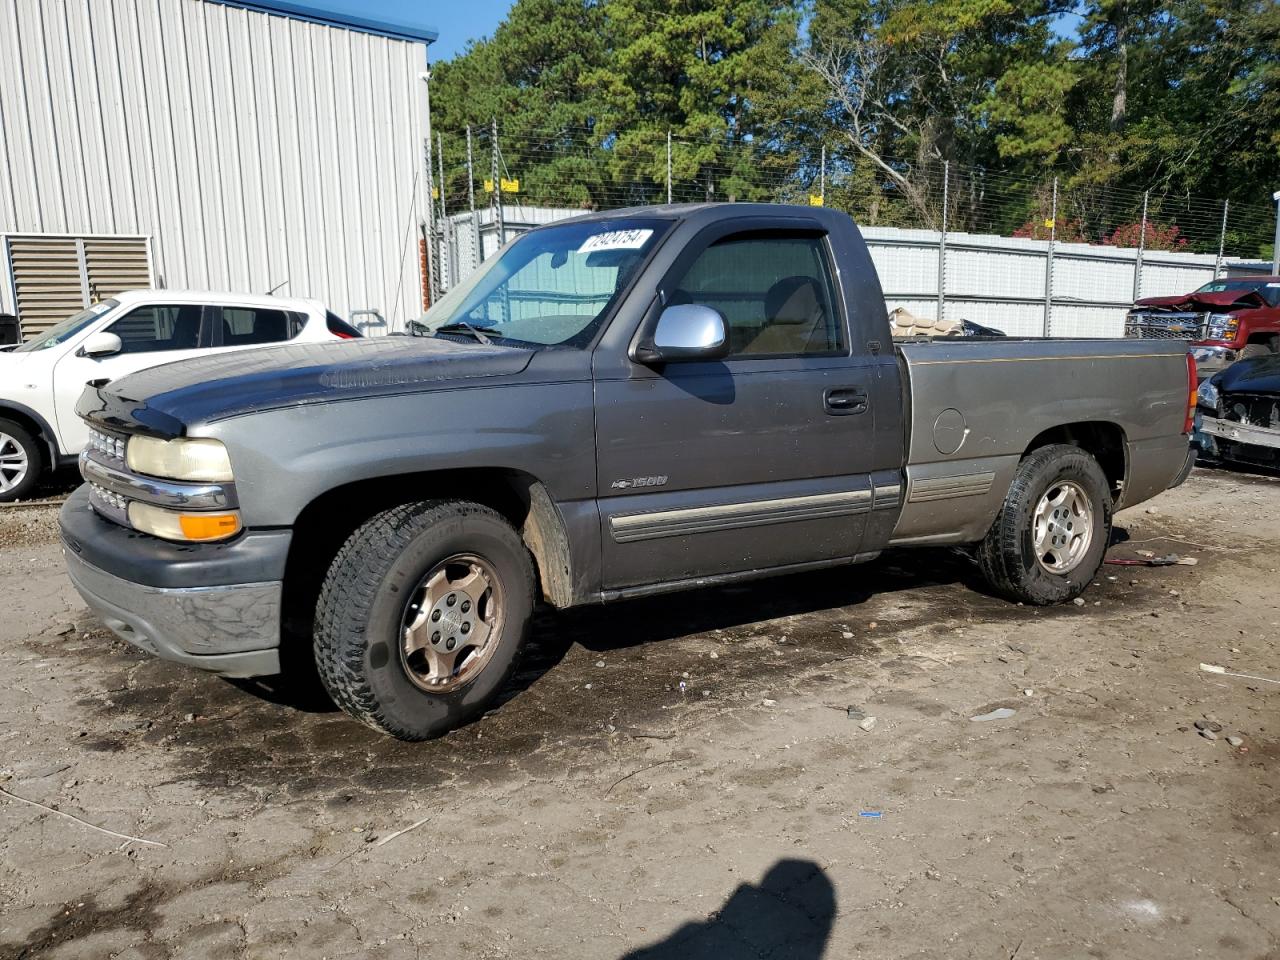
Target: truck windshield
1269,290
68,328
551,286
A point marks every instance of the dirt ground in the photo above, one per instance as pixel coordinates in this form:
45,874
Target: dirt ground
683,777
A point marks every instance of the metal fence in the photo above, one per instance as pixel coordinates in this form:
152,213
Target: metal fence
1031,257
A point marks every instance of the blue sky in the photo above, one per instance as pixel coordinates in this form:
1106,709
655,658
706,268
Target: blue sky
457,22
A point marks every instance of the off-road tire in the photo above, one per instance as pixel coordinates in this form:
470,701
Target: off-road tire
362,604
1006,556
35,461
1268,346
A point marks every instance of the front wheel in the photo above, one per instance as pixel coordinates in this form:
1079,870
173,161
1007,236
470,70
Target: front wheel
422,616
20,461
1048,541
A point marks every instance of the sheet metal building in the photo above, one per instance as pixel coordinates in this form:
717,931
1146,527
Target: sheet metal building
212,145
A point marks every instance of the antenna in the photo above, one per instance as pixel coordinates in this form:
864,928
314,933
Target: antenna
282,283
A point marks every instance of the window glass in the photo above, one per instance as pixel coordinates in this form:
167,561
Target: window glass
774,291
242,326
68,328
550,286
159,327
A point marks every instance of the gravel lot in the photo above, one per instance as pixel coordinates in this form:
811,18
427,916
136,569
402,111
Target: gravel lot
682,777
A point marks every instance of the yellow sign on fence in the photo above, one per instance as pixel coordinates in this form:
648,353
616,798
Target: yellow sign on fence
508,186
816,200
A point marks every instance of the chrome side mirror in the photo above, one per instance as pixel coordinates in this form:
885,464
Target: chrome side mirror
101,344
687,331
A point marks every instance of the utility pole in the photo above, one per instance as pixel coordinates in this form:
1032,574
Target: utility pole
1275,248
1048,266
1142,246
497,185
822,176
942,238
1222,240
477,254
668,166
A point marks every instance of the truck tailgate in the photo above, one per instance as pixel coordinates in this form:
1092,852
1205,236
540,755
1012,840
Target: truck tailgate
976,407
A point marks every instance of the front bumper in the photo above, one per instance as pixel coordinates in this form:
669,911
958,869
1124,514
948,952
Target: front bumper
1242,433
192,612
1209,360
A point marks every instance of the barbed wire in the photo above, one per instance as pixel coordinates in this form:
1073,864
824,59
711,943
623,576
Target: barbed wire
581,168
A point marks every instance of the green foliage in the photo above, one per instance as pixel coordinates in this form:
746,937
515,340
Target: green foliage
1177,97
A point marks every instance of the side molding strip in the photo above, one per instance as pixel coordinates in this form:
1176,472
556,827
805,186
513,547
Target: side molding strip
948,488
732,516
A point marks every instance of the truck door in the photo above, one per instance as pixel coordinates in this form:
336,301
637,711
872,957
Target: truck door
758,461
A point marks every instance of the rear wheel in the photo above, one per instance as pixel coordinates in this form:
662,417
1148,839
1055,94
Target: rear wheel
422,616
1050,536
20,461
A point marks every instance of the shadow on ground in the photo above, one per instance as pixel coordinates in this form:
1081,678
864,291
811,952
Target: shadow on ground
789,915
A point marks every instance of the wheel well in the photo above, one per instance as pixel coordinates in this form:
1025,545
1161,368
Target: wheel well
1105,442
1270,339
326,523
36,428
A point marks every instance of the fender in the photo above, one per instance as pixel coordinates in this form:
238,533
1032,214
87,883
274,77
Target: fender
47,434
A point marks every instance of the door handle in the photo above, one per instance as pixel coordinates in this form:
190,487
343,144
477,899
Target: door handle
845,401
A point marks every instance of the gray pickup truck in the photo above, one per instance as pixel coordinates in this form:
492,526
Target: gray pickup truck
616,405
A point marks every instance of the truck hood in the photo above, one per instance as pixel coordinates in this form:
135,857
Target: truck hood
167,399
1256,375
1205,301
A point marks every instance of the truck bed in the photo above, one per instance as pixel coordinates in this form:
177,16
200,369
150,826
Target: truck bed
975,406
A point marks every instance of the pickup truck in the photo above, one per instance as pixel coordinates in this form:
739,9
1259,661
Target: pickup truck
1226,320
622,404
41,380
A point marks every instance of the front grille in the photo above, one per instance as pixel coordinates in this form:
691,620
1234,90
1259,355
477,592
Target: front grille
107,445
1166,326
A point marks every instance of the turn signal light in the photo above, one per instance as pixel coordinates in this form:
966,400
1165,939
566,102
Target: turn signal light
209,526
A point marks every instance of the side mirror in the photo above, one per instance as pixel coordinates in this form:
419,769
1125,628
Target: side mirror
687,331
101,344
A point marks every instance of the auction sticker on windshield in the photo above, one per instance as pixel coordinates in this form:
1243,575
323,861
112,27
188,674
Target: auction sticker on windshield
616,240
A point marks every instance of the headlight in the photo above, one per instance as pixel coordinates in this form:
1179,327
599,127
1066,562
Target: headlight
183,527
199,460
1223,326
1207,395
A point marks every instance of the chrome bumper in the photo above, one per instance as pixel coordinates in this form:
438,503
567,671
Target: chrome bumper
1209,360
229,630
1240,432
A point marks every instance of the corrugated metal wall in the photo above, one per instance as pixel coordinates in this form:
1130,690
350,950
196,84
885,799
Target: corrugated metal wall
252,148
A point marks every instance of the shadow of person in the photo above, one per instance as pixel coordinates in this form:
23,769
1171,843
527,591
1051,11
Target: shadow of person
788,916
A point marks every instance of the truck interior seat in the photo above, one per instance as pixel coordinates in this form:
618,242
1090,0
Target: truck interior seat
795,315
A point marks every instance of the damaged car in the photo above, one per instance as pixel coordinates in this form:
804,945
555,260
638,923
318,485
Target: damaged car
1238,413
1231,319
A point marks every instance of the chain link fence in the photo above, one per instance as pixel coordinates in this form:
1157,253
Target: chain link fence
1033,256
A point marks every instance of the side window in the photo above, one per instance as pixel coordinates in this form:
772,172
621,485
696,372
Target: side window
159,327
775,290
243,326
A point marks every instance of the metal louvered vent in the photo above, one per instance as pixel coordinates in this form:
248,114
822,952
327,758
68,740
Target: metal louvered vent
54,277
115,265
46,280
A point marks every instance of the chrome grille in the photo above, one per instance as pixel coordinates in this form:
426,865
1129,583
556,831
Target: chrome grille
107,445
111,505
1166,326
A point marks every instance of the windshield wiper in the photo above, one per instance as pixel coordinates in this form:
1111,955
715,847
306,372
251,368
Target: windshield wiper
461,326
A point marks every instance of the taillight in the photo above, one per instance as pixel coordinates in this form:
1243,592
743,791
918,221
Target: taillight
1192,386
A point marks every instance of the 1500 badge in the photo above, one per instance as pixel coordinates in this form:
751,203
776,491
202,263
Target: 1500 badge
638,482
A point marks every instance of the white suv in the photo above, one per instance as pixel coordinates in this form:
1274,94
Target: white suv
41,380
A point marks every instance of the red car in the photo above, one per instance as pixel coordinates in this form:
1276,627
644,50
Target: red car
1225,320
